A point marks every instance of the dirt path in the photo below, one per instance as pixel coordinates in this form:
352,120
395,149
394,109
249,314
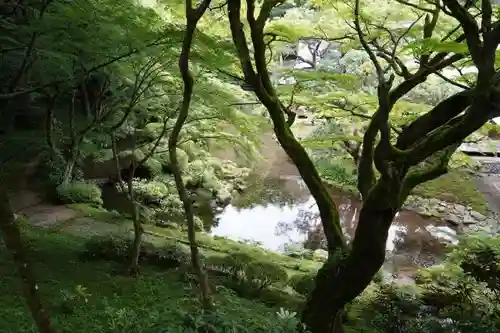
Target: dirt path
60,217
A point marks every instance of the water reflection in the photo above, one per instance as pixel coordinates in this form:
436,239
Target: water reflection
292,217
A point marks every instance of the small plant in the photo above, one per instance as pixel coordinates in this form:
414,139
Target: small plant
80,192
70,299
288,321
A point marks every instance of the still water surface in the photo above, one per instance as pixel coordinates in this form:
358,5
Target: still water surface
279,211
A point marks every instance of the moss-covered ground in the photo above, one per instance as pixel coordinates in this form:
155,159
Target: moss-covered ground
87,297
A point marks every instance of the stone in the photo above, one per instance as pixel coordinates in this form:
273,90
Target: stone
478,216
468,219
453,219
441,208
460,210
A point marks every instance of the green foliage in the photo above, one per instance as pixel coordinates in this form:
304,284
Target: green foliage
182,158
154,166
80,192
249,275
51,168
118,249
387,308
263,274
86,298
479,257
303,283
465,288
298,251
150,192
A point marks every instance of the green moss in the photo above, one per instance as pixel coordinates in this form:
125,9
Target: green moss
456,187
86,297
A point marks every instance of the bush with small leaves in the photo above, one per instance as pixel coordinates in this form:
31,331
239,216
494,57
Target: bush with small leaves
388,308
303,283
262,274
118,249
173,254
465,288
80,192
107,248
233,264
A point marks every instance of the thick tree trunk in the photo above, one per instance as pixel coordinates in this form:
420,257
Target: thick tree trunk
340,281
12,238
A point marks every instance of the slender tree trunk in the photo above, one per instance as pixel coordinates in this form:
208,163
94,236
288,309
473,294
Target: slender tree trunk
70,165
192,18
12,239
138,231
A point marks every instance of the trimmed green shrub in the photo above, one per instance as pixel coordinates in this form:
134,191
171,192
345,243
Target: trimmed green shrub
80,192
303,283
170,254
387,308
233,264
118,249
107,248
262,274
154,166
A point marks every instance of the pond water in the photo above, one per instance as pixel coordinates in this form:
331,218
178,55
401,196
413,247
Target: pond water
278,211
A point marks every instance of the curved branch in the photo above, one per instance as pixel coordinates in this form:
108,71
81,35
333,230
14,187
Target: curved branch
470,27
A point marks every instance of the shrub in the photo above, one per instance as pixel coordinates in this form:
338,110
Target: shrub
303,283
150,192
154,166
118,249
320,255
262,274
80,192
171,255
466,287
107,248
389,309
233,264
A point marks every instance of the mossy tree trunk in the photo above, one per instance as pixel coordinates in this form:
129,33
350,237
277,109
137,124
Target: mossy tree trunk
193,15
421,153
13,242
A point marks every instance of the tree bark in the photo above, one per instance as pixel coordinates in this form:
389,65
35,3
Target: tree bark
343,278
138,231
12,238
70,166
193,15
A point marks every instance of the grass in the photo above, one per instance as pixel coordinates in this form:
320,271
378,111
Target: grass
455,187
156,302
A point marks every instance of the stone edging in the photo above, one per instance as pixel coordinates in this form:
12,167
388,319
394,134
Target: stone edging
464,218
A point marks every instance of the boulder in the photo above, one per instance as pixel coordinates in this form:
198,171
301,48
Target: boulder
468,219
453,219
478,216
